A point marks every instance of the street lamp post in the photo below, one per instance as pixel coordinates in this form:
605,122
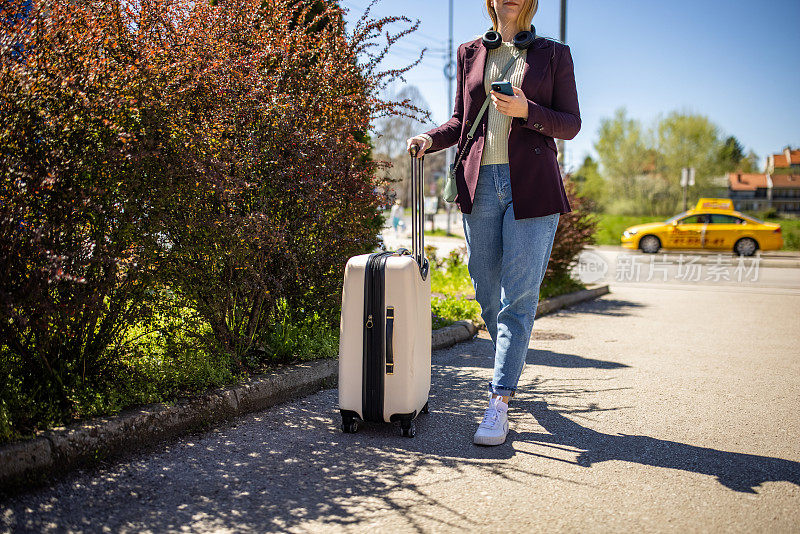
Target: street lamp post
450,75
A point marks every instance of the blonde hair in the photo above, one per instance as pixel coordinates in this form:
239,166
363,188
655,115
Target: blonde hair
529,9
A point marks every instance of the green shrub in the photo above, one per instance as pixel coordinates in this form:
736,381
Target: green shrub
450,276
176,177
769,213
450,309
790,229
576,229
453,281
559,284
299,335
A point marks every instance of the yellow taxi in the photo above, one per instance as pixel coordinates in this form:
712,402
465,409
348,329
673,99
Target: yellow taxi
711,225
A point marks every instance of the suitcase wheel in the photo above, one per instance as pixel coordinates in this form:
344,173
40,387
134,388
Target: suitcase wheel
425,408
408,429
349,425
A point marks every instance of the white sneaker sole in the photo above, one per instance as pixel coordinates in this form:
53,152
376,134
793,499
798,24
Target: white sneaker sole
490,440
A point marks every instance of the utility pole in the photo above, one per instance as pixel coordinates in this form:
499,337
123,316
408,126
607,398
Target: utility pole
561,155
687,179
450,75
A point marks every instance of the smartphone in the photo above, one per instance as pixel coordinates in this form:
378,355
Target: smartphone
503,88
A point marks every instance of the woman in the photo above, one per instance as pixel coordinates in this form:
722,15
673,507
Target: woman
510,190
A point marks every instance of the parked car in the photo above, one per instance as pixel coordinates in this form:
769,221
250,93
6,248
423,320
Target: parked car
712,225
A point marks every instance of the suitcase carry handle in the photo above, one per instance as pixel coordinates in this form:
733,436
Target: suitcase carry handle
418,212
390,340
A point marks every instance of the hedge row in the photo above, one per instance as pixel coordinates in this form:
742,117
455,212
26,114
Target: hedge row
188,174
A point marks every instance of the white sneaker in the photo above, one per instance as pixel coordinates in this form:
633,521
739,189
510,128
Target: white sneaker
494,427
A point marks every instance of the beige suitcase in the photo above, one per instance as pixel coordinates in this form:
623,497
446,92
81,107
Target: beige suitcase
385,332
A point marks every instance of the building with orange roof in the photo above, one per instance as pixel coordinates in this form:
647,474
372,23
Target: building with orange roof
786,162
759,192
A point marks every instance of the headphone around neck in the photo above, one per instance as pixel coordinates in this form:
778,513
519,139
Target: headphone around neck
523,40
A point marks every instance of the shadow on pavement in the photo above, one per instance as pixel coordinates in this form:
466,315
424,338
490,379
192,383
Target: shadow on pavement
481,356
572,361
737,471
603,306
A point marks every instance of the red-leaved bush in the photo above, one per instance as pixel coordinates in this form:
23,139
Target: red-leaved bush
75,156
576,229
172,154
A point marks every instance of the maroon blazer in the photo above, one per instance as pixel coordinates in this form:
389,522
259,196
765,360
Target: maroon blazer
549,84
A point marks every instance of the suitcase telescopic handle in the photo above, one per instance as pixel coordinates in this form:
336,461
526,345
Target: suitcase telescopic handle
418,211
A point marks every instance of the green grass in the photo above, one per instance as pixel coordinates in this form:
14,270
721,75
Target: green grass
440,232
454,281
610,228
448,310
790,228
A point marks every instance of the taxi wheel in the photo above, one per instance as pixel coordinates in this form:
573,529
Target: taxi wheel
649,244
746,246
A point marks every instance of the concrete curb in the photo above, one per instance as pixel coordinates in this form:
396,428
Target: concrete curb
58,451
455,333
562,301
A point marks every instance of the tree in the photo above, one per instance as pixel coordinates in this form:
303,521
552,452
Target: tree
687,140
750,162
393,131
731,155
392,134
590,185
643,168
624,154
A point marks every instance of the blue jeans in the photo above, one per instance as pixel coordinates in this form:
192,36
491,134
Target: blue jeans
507,262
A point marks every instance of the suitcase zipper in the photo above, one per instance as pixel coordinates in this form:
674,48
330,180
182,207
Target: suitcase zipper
374,342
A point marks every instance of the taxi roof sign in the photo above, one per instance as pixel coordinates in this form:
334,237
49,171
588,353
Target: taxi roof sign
714,204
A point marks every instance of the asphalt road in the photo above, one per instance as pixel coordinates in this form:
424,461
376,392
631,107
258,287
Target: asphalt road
658,407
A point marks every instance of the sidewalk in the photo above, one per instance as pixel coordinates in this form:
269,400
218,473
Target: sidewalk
616,428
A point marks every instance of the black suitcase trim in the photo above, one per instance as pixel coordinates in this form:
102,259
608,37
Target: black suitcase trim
372,391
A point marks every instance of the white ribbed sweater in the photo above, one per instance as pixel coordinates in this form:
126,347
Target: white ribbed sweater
495,147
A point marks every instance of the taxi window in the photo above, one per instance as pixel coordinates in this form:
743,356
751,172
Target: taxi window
678,216
701,218
719,218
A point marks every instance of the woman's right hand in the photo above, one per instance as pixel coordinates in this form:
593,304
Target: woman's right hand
423,142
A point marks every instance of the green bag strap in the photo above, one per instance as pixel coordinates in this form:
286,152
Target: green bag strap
474,128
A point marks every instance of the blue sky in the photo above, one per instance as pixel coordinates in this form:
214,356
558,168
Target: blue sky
734,61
